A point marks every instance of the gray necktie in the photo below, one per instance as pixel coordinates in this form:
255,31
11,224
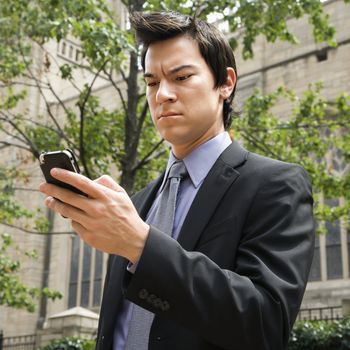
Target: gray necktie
141,319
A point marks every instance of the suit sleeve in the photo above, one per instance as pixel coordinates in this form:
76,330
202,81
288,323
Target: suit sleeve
254,305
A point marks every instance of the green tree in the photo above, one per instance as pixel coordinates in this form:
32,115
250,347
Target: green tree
14,293
317,335
315,135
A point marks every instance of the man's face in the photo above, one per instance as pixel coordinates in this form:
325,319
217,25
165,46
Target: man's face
185,107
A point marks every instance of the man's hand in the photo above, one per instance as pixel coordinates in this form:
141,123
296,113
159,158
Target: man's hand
106,219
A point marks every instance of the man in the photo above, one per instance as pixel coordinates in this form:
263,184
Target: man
230,270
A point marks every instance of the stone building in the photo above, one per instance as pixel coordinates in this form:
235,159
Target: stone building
69,266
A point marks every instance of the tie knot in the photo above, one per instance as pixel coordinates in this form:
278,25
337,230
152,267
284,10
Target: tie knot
178,170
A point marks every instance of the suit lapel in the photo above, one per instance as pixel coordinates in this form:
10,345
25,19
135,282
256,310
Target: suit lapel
219,179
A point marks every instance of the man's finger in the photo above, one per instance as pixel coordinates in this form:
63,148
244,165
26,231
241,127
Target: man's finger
107,181
79,229
66,196
67,210
79,181
86,235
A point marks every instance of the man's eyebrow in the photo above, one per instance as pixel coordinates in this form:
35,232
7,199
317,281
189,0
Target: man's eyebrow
148,75
179,68
171,71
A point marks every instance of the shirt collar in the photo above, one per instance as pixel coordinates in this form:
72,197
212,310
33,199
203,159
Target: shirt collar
200,161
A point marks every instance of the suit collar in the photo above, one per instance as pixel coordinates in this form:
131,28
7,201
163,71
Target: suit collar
221,176
200,160
234,155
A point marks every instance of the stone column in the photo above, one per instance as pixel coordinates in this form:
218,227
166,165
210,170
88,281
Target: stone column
345,303
77,321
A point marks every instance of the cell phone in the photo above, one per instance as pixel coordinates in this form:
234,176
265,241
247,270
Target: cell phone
59,159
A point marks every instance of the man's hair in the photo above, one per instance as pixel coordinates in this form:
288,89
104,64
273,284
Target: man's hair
214,47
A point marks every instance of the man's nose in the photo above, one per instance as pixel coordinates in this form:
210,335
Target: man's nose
165,93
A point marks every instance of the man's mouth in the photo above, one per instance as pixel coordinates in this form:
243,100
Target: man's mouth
168,114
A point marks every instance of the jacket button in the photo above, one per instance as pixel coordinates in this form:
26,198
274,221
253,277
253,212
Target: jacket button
143,294
151,298
165,306
157,303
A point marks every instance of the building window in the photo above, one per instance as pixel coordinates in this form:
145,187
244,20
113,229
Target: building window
64,47
333,247
315,272
77,55
98,278
69,51
334,255
85,281
73,278
86,274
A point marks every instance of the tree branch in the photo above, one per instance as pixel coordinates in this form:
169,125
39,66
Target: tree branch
147,158
9,144
48,107
141,95
37,232
16,83
125,78
32,122
258,143
118,90
156,155
346,170
7,120
141,119
36,80
60,102
48,53
27,141
82,111
301,126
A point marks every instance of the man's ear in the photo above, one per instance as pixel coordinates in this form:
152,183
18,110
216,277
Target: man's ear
227,88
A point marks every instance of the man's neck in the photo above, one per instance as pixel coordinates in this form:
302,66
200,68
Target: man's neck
180,151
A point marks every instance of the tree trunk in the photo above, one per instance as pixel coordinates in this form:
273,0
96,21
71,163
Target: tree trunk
131,141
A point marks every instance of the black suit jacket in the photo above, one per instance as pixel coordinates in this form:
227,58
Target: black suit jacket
236,276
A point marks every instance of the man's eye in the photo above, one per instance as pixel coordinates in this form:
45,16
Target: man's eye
151,83
183,77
